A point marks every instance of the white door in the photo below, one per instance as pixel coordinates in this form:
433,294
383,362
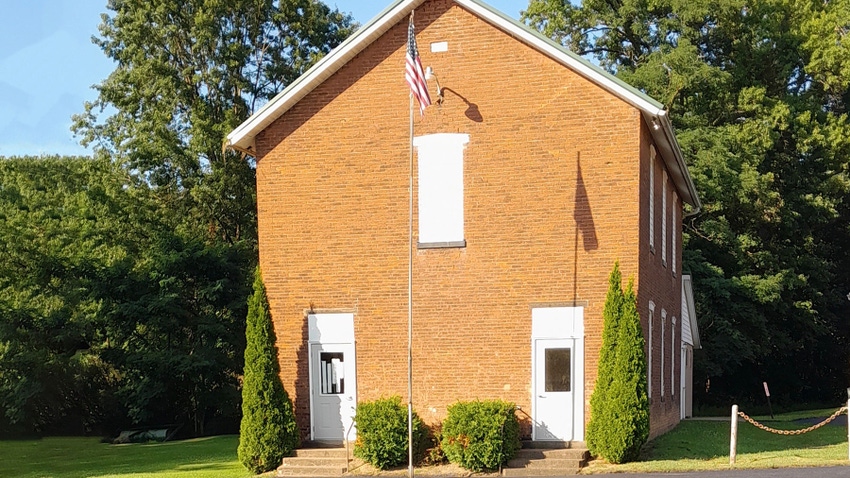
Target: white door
333,390
554,389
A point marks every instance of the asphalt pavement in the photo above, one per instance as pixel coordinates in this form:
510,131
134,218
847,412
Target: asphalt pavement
825,472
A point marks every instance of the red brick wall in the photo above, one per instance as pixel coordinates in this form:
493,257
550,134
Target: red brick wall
332,182
661,285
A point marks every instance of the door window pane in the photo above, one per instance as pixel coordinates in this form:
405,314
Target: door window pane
331,373
558,366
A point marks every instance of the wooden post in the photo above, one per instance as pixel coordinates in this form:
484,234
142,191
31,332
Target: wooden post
733,439
848,425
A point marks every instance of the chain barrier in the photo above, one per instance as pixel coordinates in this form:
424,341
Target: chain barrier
792,432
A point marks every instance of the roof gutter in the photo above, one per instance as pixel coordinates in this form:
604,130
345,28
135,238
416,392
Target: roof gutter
667,129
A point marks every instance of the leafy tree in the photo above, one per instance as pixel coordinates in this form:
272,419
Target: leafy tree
61,229
268,431
758,93
109,315
186,74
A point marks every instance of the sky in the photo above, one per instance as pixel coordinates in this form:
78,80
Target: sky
48,65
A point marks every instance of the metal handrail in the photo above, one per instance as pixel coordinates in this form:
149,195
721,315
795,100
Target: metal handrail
347,454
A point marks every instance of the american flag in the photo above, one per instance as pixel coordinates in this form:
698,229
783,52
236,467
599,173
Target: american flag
413,71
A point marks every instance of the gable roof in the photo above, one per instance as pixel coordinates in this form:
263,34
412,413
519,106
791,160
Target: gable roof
242,138
690,330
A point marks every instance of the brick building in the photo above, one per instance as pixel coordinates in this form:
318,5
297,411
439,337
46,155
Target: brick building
535,173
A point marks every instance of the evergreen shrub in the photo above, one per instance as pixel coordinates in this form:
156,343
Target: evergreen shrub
481,435
619,421
597,435
382,433
268,431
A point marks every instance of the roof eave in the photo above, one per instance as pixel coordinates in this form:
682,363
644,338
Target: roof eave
662,131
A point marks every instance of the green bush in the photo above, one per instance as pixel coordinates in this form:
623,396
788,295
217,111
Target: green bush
596,436
480,435
382,433
268,431
619,421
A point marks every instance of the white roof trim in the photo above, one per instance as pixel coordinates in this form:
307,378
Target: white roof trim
243,135
242,138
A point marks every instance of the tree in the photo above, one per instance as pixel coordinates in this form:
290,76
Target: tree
268,431
110,316
758,93
619,405
628,400
596,435
186,74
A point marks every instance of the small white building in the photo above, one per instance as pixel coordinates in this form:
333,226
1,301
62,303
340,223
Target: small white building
690,341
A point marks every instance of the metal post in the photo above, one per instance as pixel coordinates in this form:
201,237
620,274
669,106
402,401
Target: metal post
733,439
410,300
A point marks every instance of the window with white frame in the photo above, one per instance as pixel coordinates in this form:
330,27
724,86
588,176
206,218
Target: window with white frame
672,356
649,359
673,228
664,220
661,375
441,189
652,198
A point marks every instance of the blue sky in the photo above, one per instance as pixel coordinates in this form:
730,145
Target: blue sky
48,65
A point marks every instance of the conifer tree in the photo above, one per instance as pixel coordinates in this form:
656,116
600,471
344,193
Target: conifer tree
268,431
619,406
627,398
600,413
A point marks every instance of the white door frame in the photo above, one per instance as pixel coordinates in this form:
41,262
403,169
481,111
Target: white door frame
560,323
332,329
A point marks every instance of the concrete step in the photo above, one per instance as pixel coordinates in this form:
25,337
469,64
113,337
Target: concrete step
563,453
547,459
285,470
548,445
320,452
315,461
537,472
548,463
320,461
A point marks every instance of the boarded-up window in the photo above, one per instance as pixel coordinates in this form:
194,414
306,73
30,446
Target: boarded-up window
441,188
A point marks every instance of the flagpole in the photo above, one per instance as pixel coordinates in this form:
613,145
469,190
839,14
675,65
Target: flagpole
410,302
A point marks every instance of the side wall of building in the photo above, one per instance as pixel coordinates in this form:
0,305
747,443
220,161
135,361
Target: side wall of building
661,285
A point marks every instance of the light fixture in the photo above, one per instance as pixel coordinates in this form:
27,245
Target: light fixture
429,73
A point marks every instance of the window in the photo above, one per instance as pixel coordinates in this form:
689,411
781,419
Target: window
664,220
649,360
332,373
558,370
441,189
673,356
674,227
661,375
652,198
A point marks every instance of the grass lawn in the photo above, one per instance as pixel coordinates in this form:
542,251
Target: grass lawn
693,445
75,457
704,445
